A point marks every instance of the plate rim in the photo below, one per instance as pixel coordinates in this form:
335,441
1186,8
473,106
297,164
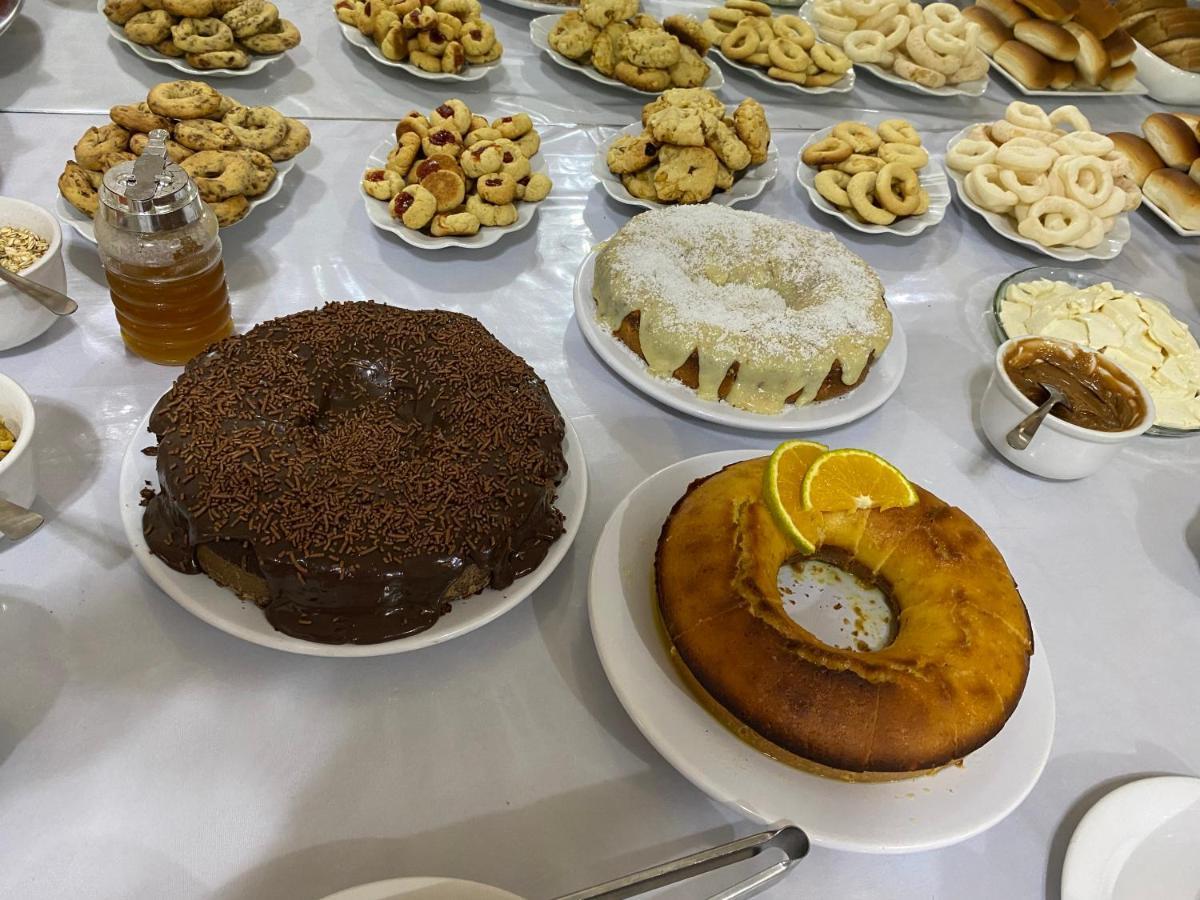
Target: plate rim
608,542
535,6
258,62
932,175
718,412
85,227
166,580
763,175
1161,213
755,72
1098,93
1064,254
356,38
539,29
491,234
385,889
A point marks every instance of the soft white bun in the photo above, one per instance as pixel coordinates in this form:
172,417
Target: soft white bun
1171,139
1176,195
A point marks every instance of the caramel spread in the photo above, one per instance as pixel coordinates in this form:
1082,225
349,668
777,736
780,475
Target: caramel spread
1098,396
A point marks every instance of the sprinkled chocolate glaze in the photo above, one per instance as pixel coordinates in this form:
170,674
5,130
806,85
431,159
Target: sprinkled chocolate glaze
368,463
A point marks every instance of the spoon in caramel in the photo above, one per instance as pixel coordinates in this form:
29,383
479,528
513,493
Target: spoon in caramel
1020,436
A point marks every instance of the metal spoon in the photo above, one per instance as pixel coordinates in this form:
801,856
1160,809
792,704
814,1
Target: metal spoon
55,301
17,522
1020,436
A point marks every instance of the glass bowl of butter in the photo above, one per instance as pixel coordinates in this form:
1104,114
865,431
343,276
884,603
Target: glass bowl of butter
1138,332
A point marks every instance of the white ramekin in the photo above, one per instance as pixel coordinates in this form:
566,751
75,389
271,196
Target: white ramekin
1059,449
18,476
22,318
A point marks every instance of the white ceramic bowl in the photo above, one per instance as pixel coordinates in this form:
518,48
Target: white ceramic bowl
21,318
17,476
1165,82
1059,450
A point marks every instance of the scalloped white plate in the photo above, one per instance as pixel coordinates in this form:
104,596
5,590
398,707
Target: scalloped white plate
966,89
539,33
932,178
1137,90
423,889
69,215
364,43
257,63
1171,223
880,384
841,86
219,607
752,182
889,817
536,6
377,212
1004,225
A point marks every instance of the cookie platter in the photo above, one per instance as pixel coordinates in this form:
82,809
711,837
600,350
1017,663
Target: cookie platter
257,63
364,43
539,34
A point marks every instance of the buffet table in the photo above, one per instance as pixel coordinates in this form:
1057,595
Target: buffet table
146,754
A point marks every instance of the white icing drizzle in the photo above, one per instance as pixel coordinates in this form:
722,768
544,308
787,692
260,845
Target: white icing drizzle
783,301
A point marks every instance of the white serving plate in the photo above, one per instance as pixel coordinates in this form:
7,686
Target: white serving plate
932,178
1137,90
752,182
257,62
220,608
881,382
841,86
1165,82
377,212
69,215
1171,223
1004,225
890,817
536,6
1139,842
539,33
364,43
966,89
423,889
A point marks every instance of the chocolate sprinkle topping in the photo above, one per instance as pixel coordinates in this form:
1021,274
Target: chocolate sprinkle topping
368,463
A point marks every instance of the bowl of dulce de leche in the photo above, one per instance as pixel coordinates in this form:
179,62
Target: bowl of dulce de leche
1105,407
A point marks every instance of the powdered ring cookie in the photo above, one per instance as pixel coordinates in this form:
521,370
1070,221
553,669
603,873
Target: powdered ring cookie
277,38
257,127
184,100
138,117
218,175
205,134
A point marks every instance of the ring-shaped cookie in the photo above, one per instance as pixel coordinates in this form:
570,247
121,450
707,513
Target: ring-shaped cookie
1075,220
218,175
982,185
1027,115
740,43
923,55
838,22
1026,154
831,184
831,59
189,9
861,191
898,189
895,33
796,29
1029,187
1092,192
257,127
202,35
827,151
944,15
881,19
788,55
859,135
184,100
914,157
864,46
942,41
1070,116
922,75
1084,143
898,131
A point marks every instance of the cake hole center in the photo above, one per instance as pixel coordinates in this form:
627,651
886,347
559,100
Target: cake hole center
836,606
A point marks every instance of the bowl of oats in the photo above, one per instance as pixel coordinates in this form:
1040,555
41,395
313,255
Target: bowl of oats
17,476
31,246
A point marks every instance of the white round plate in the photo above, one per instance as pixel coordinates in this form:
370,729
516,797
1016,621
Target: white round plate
1004,225
362,42
841,86
1149,205
423,889
257,63
891,817
69,215
539,33
932,178
537,6
752,182
881,383
377,212
966,89
1140,842
1136,90
207,600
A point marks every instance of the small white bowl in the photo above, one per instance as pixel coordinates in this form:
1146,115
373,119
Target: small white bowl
1165,82
1059,450
18,479
21,317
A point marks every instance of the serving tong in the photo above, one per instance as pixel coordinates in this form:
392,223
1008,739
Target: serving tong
788,839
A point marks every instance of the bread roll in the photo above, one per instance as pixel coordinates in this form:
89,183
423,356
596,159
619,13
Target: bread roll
1025,64
1120,47
1007,11
1171,139
1128,8
1063,77
1052,10
1186,58
1120,78
992,32
1176,195
1048,39
1194,171
1165,25
1092,62
1135,148
1097,16
1191,120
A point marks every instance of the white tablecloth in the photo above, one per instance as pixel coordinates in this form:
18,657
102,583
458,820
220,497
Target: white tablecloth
145,754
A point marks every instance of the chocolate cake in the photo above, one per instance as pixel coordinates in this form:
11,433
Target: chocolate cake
355,469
